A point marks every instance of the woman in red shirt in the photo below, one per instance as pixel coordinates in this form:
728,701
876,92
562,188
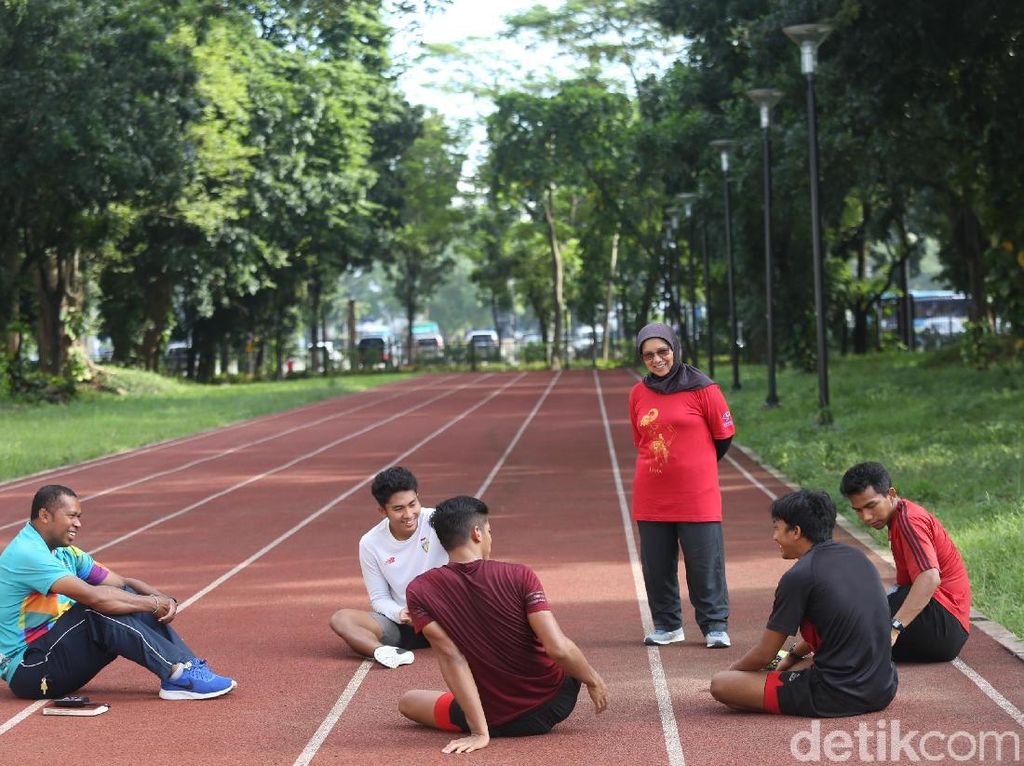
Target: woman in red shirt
682,427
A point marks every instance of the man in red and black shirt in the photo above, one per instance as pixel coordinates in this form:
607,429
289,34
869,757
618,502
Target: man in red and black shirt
834,597
510,669
931,606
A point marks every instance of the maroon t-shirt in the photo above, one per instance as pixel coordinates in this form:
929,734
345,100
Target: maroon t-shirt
483,607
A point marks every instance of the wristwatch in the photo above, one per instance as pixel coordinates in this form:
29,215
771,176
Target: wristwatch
897,625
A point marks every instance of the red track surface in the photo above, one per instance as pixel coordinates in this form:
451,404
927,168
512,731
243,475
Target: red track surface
256,534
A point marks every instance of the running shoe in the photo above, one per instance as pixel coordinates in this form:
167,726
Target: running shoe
197,682
662,637
718,639
392,656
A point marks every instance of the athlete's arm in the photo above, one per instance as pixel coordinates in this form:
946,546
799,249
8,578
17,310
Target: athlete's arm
165,613
568,656
456,673
921,592
799,652
379,590
762,653
109,598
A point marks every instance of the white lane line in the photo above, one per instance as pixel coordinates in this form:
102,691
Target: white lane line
886,555
103,460
236,448
669,725
328,724
13,721
278,469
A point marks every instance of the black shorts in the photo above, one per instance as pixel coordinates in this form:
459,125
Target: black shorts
935,635
801,692
400,634
537,721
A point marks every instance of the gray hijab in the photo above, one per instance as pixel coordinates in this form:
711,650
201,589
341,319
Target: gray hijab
682,376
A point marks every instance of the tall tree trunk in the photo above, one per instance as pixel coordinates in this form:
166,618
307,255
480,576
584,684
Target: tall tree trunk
609,295
314,322
557,275
969,241
157,309
55,275
861,307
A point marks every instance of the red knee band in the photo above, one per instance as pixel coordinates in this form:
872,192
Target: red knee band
443,712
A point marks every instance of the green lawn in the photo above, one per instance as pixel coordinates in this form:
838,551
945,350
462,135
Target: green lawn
148,409
952,438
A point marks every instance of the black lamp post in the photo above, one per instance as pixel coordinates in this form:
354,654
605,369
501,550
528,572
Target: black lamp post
724,147
809,37
709,326
687,199
766,98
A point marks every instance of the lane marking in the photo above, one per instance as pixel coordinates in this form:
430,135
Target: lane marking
237,448
13,721
328,724
70,468
886,554
278,469
669,725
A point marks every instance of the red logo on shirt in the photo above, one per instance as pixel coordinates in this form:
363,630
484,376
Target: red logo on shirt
390,560
727,418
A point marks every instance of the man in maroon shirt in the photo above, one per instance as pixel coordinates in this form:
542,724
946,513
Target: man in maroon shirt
511,670
931,606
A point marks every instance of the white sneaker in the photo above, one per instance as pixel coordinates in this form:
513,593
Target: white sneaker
718,639
662,637
392,656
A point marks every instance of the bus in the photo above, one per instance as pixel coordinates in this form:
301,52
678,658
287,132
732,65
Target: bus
939,315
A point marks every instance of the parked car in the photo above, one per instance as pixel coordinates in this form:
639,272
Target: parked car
373,351
482,339
482,345
429,345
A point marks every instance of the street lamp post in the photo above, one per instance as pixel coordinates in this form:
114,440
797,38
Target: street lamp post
809,37
724,147
709,326
766,98
687,199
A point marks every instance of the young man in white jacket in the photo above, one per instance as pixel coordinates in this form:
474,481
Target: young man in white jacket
401,546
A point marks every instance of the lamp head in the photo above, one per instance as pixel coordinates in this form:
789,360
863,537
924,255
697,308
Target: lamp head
686,199
808,37
765,98
724,147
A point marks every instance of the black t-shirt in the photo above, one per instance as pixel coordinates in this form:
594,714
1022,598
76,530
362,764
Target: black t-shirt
835,597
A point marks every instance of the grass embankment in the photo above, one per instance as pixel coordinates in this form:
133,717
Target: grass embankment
148,408
952,439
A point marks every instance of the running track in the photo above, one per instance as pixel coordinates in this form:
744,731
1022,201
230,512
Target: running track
254,528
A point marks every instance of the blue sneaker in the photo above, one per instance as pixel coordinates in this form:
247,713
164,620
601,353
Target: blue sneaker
197,682
662,637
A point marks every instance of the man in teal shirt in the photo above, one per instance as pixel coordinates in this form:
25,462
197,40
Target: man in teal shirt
64,617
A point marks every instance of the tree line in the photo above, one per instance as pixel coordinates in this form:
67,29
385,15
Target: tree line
917,112
209,169
206,168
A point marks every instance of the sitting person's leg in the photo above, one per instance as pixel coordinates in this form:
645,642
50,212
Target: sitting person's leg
934,635
363,631
83,641
438,710
743,690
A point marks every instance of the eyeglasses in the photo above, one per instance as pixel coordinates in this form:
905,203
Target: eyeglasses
664,352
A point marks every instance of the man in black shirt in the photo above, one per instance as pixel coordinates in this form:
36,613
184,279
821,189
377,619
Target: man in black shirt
834,597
